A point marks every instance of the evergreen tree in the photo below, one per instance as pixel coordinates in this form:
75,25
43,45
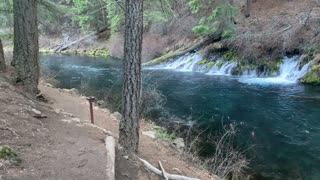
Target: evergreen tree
219,22
129,125
26,47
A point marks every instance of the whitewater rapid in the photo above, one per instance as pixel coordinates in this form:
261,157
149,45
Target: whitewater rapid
289,71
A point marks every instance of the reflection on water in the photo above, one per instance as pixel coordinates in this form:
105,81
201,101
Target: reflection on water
285,118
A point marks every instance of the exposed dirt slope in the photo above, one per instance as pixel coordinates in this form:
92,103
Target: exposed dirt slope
277,27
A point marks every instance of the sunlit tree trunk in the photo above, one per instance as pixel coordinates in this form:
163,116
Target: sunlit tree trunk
26,47
2,60
129,125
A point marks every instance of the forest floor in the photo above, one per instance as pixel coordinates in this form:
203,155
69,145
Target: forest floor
59,143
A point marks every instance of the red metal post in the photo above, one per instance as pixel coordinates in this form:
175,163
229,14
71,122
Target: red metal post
91,100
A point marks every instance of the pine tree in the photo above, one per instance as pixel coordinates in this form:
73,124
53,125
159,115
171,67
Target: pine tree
129,125
26,46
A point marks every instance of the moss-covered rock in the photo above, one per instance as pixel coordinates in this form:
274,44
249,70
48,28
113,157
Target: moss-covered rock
313,76
230,56
160,59
46,51
219,64
203,61
89,52
189,60
210,65
102,52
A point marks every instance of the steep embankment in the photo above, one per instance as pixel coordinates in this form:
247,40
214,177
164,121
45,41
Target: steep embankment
274,29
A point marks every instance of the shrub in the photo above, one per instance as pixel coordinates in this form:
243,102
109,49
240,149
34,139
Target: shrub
218,22
7,153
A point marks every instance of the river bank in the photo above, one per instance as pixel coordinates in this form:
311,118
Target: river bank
68,147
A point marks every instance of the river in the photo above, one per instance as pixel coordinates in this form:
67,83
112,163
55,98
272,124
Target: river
277,116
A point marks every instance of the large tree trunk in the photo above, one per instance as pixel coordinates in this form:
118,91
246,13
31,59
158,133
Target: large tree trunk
129,125
26,47
2,60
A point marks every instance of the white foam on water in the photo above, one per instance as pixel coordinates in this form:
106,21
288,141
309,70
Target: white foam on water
184,63
225,69
289,73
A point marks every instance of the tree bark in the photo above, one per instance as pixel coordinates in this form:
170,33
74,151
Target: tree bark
2,60
26,46
129,125
248,8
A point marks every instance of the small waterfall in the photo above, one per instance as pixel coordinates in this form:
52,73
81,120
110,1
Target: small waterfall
225,69
289,70
184,63
249,73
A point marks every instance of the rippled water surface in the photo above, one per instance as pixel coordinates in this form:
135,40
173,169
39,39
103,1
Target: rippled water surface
284,117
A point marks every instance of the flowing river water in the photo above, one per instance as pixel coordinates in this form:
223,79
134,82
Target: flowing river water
279,117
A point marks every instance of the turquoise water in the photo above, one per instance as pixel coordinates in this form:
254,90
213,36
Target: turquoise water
284,117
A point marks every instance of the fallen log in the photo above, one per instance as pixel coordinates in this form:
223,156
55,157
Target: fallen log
65,47
160,173
204,42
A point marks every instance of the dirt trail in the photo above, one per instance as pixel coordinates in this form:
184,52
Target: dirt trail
153,150
49,148
61,146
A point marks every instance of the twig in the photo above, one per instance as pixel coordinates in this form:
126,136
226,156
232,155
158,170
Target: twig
121,7
163,171
170,176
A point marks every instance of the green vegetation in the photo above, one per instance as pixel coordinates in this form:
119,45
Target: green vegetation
203,61
230,56
89,52
189,60
164,134
97,52
115,15
310,53
219,21
219,64
7,153
160,59
210,65
46,51
313,76
88,14
278,61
